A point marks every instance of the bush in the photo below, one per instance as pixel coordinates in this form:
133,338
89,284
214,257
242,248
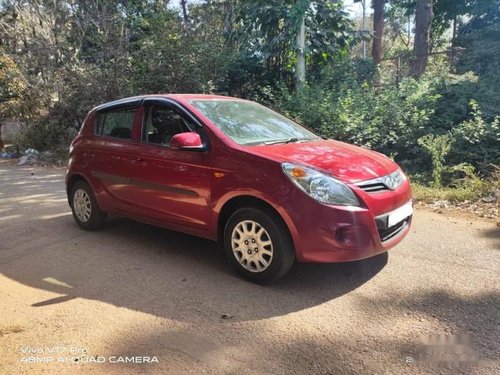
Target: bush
389,120
417,123
44,136
438,147
452,107
477,141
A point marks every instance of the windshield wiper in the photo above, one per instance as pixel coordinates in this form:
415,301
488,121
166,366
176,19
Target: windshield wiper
288,140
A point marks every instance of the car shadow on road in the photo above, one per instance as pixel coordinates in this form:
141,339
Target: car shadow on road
494,234
470,318
168,274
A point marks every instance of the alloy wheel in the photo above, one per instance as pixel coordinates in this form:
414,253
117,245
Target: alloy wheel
82,205
252,246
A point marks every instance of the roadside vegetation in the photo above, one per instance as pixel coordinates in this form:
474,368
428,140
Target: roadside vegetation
421,84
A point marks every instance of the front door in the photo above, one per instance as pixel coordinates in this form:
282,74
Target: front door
173,185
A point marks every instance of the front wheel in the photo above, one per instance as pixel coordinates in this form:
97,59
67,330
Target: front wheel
86,212
257,245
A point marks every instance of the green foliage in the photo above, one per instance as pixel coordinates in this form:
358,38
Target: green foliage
348,108
415,123
80,54
12,90
246,77
482,56
60,58
424,193
12,87
44,135
452,107
444,11
438,147
465,185
477,141
268,29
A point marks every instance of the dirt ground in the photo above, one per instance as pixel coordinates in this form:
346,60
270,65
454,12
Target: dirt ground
96,302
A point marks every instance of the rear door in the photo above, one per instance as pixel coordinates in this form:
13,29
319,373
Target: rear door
114,151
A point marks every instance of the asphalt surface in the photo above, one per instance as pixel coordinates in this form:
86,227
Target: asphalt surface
70,299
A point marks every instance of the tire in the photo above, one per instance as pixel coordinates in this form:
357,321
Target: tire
257,245
86,212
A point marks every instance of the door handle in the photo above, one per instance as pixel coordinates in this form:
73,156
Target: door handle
138,161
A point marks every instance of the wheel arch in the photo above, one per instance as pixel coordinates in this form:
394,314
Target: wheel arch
71,181
240,201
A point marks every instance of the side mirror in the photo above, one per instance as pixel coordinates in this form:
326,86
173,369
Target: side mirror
186,141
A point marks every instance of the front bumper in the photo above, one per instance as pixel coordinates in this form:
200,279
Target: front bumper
340,234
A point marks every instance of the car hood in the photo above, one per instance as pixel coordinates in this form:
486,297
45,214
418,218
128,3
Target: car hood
346,162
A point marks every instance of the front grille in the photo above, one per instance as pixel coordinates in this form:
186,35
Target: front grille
387,234
384,183
373,188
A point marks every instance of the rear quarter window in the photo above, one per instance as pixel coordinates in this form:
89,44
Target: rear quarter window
116,124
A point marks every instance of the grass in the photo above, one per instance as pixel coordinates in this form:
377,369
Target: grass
468,188
428,194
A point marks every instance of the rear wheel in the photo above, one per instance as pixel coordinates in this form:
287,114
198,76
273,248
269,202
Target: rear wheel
86,212
257,245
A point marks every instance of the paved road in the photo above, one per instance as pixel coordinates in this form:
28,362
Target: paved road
136,291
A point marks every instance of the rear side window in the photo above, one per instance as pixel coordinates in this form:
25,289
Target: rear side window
117,124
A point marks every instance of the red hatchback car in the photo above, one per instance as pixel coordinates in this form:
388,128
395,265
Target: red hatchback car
230,170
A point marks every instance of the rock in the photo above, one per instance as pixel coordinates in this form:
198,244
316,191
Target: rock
489,199
29,159
440,204
31,151
23,160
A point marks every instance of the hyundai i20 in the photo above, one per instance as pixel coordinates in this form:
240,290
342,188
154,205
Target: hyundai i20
268,190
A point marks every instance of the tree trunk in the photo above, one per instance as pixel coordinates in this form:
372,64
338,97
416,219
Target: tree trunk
301,58
2,145
184,10
423,20
378,29
453,44
229,23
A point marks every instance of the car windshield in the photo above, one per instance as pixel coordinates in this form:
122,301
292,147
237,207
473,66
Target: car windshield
249,123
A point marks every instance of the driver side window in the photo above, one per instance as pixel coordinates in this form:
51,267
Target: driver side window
161,123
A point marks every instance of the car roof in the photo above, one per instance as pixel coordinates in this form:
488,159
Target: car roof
136,100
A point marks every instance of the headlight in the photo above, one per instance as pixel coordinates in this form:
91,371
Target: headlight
320,186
